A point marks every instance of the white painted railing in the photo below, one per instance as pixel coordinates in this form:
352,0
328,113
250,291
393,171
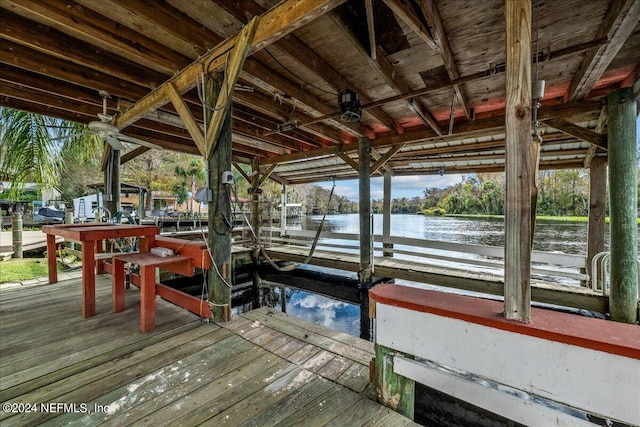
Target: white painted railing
600,282
459,255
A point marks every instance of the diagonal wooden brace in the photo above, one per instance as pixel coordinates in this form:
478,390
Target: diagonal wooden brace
234,66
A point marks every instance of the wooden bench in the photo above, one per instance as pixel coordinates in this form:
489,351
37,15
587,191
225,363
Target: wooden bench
148,263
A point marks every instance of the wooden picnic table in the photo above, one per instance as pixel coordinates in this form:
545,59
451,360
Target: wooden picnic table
91,236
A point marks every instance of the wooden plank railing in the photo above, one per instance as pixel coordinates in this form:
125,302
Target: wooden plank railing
552,264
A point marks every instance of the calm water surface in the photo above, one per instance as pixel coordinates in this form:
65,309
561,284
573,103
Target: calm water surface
550,236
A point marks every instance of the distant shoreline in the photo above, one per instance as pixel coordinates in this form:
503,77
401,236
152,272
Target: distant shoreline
541,217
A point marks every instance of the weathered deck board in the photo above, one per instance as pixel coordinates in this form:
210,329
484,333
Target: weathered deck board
271,319
262,368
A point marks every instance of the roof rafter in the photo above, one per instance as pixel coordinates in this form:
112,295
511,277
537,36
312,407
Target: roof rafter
432,15
384,68
309,59
275,23
403,10
619,23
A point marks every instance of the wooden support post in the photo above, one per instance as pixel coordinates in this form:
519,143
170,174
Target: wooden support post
147,298
517,276
364,160
219,214
112,178
364,275
88,278
392,390
623,188
117,285
283,211
386,216
255,223
597,209
16,235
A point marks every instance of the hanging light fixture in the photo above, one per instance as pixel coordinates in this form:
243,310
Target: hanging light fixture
349,105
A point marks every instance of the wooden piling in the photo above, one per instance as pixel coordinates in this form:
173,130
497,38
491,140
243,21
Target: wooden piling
364,157
219,215
597,209
386,216
623,299
16,234
112,169
255,223
517,272
392,390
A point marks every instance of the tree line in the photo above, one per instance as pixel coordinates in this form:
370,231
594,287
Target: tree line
561,193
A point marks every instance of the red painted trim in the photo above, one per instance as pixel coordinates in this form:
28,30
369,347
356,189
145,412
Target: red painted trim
602,335
191,303
52,263
179,298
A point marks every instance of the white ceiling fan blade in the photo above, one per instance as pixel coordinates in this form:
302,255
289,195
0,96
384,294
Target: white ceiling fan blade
139,142
115,143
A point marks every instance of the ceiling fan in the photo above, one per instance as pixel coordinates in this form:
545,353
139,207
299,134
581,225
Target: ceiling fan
108,132
111,134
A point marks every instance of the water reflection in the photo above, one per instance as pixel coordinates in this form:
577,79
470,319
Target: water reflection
318,309
550,236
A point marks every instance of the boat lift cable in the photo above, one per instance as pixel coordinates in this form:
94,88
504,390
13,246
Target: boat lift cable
313,245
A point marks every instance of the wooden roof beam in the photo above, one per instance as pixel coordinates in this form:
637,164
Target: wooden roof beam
371,30
278,21
619,23
384,68
473,129
404,10
602,122
313,62
187,118
306,57
597,139
348,160
52,42
234,64
432,15
265,105
100,31
268,80
266,174
133,154
382,161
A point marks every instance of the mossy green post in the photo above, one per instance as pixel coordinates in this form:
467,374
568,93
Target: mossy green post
623,185
393,390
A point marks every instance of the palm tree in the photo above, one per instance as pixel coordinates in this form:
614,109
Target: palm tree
32,148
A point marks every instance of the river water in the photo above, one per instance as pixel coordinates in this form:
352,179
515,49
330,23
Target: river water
550,236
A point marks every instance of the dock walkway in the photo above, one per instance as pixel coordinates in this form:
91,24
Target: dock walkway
262,368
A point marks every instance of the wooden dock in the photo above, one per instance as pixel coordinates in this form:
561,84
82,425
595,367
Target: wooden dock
262,368
436,274
31,240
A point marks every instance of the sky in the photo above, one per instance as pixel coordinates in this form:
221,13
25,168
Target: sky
409,186
401,186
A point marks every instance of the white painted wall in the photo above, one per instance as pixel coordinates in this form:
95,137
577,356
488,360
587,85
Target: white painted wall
601,383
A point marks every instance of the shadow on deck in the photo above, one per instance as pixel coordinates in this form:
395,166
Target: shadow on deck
262,368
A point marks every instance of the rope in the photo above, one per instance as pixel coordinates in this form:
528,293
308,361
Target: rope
313,245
